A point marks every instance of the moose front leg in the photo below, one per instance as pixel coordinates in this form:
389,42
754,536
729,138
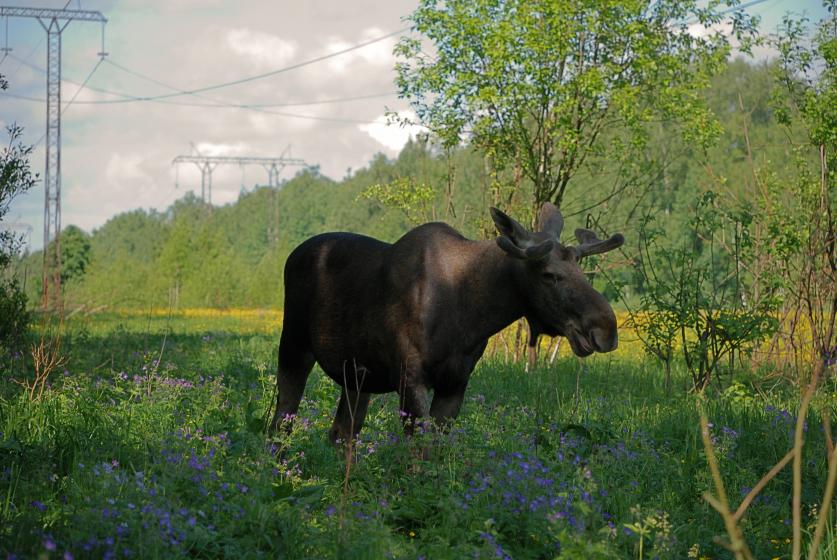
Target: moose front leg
413,404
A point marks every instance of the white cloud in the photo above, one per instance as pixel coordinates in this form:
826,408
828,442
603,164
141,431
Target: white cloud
264,49
701,31
117,156
221,149
380,53
392,135
377,54
124,170
340,63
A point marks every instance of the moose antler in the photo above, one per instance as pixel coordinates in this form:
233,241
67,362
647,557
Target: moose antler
590,244
551,220
516,240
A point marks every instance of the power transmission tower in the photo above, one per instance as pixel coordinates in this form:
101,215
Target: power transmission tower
273,166
54,22
207,164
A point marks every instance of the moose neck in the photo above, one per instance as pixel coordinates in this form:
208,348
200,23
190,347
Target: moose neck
492,298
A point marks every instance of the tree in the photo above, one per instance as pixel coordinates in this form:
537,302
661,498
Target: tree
75,254
15,178
805,223
542,85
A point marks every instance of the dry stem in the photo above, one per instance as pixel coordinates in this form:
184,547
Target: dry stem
739,513
798,442
825,506
737,544
46,358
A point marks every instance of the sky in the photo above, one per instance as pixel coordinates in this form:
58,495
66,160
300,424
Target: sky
118,156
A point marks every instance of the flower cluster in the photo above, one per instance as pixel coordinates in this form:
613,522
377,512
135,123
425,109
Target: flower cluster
783,420
172,506
530,495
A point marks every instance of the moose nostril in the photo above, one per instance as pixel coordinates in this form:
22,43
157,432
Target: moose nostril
603,340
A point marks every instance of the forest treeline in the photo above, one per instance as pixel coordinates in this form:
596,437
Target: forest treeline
192,255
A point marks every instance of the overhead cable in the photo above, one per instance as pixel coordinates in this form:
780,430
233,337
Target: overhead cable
181,92
73,98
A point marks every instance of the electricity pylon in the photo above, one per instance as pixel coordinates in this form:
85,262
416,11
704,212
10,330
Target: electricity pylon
54,22
207,164
273,166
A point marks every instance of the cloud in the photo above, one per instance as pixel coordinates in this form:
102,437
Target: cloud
700,31
378,54
117,156
123,170
392,135
222,149
263,49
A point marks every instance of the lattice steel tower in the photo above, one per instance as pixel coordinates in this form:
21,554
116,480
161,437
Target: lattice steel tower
54,22
273,166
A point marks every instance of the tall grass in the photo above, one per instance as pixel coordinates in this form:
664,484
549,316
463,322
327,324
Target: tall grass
157,450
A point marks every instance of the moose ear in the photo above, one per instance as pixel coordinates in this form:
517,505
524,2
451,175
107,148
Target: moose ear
590,244
508,227
550,220
533,253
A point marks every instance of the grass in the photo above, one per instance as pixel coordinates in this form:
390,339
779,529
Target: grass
151,444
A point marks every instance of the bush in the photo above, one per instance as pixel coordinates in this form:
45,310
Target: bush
15,178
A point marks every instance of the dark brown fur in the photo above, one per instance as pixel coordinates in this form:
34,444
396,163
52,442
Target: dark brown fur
415,316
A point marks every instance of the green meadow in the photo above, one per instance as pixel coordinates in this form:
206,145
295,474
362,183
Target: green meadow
149,442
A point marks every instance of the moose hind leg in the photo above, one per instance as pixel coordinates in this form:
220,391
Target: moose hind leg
348,420
295,363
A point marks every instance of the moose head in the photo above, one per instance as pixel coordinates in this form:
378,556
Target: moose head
559,298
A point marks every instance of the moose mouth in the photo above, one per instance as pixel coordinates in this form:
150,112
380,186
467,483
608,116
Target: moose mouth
580,344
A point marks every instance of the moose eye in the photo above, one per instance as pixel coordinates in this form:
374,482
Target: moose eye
550,277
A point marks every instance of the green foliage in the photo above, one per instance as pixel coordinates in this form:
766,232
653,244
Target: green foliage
801,214
542,86
75,254
15,178
158,452
14,319
693,295
191,255
404,195
232,256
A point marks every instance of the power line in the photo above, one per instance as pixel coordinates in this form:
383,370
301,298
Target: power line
216,102
24,61
178,92
272,72
738,8
237,106
229,106
262,108
222,104
73,98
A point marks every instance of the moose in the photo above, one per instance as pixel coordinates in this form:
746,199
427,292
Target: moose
415,316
